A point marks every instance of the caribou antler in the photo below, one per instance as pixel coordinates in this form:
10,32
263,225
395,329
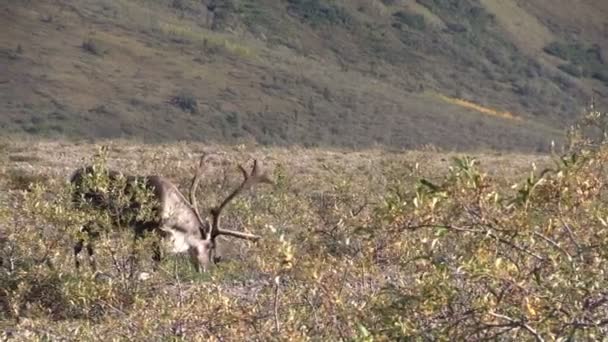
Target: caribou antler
249,179
194,187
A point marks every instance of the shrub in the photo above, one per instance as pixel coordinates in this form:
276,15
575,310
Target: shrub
319,12
572,69
186,102
412,20
601,75
93,47
583,61
466,243
179,5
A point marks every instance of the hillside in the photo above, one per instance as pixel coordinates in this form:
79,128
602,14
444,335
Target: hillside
463,74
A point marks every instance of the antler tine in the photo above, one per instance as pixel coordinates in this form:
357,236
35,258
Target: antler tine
243,171
194,186
239,235
249,179
255,175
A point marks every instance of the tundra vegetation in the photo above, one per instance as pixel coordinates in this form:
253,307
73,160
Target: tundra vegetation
361,246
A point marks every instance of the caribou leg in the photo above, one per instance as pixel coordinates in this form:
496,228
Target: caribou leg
91,234
157,256
140,230
90,251
77,249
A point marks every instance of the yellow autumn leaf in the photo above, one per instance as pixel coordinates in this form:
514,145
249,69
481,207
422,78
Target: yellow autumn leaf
529,307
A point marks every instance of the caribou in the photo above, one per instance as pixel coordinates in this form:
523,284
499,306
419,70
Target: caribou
174,217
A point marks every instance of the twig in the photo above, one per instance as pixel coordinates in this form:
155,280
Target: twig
592,306
355,213
449,227
554,244
487,232
522,324
277,325
516,246
571,235
179,284
314,312
589,325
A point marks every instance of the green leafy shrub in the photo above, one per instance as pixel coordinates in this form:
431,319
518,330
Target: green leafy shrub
484,262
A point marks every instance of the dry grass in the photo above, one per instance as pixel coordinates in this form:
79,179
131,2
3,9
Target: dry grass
59,158
525,29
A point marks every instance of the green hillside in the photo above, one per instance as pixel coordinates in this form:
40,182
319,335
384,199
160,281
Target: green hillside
461,74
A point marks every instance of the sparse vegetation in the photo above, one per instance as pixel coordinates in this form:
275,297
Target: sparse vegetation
355,246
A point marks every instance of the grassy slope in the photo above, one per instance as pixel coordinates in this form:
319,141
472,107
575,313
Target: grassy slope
299,79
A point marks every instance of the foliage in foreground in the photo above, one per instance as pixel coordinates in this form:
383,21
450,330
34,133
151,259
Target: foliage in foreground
388,255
